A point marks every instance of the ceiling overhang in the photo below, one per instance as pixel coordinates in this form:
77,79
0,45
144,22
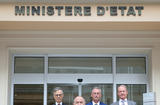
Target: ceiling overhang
98,26
83,1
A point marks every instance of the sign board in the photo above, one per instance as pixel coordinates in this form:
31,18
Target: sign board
149,98
27,10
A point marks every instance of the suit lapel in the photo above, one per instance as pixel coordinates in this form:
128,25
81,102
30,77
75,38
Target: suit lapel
128,102
91,103
117,103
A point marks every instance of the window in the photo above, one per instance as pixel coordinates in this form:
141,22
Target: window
131,65
28,94
29,65
135,92
107,92
80,65
70,91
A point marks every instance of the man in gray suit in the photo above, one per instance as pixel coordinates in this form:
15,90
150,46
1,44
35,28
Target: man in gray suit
122,94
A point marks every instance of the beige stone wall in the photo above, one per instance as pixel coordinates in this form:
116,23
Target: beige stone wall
156,72
3,74
42,41
76,46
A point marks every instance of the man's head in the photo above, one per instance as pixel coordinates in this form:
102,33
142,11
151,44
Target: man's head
122,92
58,94
79,101
96,94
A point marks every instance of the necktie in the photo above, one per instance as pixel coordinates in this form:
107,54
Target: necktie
95,104
58,104
123,102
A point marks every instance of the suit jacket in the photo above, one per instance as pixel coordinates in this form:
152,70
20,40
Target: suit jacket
129,103
101,103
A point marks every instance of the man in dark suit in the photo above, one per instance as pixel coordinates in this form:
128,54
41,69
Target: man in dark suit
96,97
122,94
58,96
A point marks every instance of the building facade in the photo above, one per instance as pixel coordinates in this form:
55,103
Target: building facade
78,45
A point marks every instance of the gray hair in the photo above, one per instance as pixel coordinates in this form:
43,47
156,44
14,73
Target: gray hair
97,88
123,86
57,88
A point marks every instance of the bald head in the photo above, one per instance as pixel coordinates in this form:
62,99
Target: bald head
79,101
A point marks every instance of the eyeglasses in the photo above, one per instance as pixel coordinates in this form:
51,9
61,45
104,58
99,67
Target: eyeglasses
58,95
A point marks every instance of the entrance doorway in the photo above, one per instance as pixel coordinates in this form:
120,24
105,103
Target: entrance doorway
71,91
34,77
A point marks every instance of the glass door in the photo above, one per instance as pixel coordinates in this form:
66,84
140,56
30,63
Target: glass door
78,75
35,77
107,92
71,91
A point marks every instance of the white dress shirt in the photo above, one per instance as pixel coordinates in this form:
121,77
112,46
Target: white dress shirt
58,103
95,103
125,102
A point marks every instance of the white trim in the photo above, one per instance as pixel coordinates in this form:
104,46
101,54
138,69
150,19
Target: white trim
114,83
12,83
131,79
87,78
77,55
79,89
131,55
28,78
45,80
73,32
32,55
147,73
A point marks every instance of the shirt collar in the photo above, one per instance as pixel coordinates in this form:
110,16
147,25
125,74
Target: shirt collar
96,103
120,101
59,103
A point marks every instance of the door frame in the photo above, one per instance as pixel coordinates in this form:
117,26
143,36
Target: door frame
46,77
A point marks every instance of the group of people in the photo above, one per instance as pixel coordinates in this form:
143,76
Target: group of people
96,97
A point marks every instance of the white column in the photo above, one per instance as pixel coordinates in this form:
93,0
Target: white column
3,75
80,89
156,73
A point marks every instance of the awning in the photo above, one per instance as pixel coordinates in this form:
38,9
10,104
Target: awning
83,1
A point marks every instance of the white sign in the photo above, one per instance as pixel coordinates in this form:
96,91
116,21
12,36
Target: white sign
149,98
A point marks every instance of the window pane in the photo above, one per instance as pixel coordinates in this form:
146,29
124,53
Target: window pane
70,92
107,92
80,65
29,65
131,65
28,94
135,93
